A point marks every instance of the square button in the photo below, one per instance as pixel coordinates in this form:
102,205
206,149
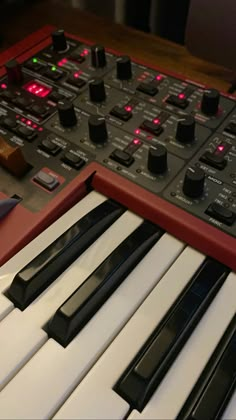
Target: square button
73,160
46,180
26,133
53,74
76,81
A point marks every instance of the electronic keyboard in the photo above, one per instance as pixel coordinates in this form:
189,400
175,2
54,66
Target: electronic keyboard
117,218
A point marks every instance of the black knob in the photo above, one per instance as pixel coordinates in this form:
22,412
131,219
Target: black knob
97,129
193,185
210,102
14,72
59,41
66,112
157,159
185,132
97,91
98,56
123,68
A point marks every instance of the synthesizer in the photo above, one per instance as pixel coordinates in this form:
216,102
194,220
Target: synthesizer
75,116
118,232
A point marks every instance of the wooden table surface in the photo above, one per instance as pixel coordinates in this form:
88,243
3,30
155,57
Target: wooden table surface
145,47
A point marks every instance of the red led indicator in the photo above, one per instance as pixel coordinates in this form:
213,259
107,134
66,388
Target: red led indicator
17,116
23,119
86,51
34,126
37,89
28,122
137,131
128,108
40,129
3,86
77,74
220,148
159,77
181,96
156,121
136,141
62,62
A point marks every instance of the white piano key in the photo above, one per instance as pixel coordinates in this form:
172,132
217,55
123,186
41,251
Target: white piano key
6,306
23,330
230,411
88,399
30,251
173,391
55,371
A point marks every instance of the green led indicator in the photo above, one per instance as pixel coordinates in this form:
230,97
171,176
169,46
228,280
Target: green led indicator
35,60
54,68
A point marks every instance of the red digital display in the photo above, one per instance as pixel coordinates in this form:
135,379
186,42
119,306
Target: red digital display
37,89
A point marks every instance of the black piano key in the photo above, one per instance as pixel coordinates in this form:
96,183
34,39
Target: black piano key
213,390
37,275
76,311
149,366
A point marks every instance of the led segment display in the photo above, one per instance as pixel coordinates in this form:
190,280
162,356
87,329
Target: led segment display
37,89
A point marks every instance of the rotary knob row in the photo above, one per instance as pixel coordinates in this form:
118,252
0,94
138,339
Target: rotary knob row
96,124
210,98
209,104
193,185
98,55
157,157
185,132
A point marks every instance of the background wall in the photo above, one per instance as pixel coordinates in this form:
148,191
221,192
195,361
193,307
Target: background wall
166,18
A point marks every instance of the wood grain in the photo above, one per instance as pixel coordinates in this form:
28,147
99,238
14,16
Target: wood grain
145,47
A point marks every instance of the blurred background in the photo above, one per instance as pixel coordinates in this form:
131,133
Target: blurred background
148,15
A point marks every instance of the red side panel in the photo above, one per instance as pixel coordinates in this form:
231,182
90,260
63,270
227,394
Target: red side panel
179,223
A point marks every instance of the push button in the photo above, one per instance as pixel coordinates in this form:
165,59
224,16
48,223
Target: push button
147,88
53,74
76,81
214,160
8,95
122,157
27,133
221,213
73,160
9,123
76,56
178,100
56,97
152,127
22,102
34,65
39,110
121,113
49,147
231,128
46,180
